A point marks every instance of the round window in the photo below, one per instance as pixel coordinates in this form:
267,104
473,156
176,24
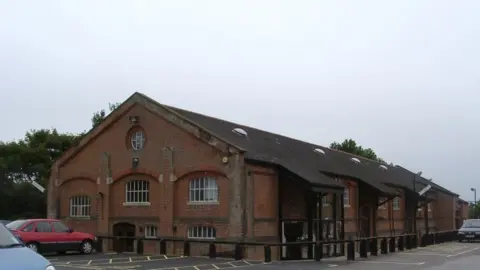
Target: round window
138,140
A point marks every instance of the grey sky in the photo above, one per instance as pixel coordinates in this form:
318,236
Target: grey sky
400,77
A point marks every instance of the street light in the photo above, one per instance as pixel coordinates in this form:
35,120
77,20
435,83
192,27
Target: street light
474,190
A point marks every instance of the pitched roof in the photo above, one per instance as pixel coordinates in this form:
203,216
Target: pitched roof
423,182
297,156
300,157
263,146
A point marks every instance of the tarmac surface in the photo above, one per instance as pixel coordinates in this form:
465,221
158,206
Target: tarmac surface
445,256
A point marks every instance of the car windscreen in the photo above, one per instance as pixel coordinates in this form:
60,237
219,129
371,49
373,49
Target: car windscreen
15,225
471,223
7,238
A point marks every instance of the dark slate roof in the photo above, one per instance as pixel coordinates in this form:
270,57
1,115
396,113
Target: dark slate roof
299,156
294,155
423,182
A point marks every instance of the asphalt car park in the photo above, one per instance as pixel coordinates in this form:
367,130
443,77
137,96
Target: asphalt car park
436,255
153,262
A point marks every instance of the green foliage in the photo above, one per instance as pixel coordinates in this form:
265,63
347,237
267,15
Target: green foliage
471,210
30,159
350,146
99,116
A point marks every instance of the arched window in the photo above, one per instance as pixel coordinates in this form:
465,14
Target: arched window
80,206
137,191
202,232
203,190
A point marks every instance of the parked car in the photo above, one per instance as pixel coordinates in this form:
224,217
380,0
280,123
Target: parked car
51,235
5,222
470,230
15,255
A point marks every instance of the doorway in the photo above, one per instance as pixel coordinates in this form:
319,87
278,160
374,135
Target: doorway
293,231
124,229
365,223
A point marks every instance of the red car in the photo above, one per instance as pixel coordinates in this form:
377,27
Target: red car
50,235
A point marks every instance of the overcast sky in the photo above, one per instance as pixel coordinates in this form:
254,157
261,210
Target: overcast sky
401,77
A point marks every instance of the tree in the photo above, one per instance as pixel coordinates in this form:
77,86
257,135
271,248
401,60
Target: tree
26,160
350,146
471,210
99,116
30,159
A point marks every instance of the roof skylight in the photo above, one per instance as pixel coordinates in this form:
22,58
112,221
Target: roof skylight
240,131
383,167
356,160
319,151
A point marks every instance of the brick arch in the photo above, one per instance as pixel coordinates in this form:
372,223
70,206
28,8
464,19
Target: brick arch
139,171
212,169
80,177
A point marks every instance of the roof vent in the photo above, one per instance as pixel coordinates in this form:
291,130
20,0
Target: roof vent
383,167
356,160
319,151
240,131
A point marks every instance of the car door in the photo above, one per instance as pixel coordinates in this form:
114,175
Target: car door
45,236
65,239
27,232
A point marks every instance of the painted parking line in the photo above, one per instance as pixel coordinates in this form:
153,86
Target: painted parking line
116,260
213,266
463,252
392,262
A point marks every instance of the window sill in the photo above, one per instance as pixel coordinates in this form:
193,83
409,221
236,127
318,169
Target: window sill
346,206
203,203
202,238
396,209
80,217
136,204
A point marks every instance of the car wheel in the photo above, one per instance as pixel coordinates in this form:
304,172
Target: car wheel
86,247
33,246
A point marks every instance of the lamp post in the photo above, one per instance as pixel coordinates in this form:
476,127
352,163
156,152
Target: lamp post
474,190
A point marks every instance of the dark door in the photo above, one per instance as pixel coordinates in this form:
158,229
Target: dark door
293,231
125,230
365,221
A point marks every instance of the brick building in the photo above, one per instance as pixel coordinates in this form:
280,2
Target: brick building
153,170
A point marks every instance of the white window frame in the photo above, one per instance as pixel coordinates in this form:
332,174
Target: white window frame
346,197
151,231
396,203
429,207
202,232
137,192
137,140
203,190
80,206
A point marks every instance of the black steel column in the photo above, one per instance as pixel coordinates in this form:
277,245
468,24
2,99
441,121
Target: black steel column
320,219
335,218
279,213
342,215
405,216
309,213
415,210
374,215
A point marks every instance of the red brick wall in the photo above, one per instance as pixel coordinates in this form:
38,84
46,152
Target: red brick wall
167,173
445,217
